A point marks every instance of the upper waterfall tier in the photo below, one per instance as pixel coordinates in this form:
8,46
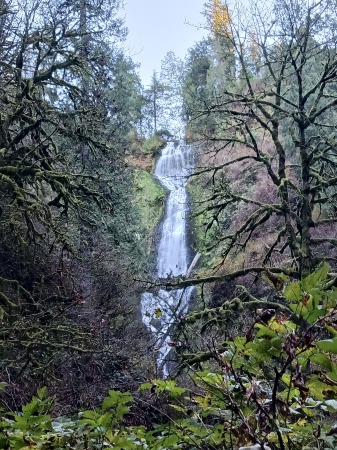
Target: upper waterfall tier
174,165
172,169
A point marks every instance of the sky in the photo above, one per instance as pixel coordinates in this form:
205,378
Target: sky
159,26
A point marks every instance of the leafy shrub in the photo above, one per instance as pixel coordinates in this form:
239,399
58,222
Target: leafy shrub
164,134
153,145
274,388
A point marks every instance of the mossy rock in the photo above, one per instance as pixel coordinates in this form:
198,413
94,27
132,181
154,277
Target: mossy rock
153,145
149,197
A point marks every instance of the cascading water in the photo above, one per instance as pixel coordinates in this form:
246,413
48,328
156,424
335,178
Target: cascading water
172,170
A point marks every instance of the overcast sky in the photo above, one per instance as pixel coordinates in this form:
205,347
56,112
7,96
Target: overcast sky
159,26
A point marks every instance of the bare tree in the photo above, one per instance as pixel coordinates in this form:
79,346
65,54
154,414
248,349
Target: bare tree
278,121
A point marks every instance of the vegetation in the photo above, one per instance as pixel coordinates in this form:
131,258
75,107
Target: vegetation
149,198
273,388
271,120
255,359
68,231
153,145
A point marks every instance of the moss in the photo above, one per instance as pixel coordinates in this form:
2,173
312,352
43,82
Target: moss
196,193
153,145
205,229
201,239
150,199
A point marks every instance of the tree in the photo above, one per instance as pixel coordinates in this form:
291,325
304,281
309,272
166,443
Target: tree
65,192
279,130
154,94
219,20
171,76
195,88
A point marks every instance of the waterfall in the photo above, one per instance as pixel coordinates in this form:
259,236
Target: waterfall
172,170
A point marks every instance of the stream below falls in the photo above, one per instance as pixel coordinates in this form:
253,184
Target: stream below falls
172,170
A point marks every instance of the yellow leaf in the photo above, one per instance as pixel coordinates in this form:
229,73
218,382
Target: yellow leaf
301,422
220,18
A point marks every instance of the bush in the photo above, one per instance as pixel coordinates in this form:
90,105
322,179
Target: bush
274,388
153,145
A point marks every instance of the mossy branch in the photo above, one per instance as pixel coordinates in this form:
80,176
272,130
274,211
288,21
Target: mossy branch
180,282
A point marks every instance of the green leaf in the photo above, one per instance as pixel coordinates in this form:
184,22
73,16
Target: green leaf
332,330
105,420
42,393
276,342
31,407
322,360
293,292
314,279
308,412
318,389
261,347
168,386
146,386
173,389
178,408
328,345
169,441
286,378
332,404
90,415
265,331
332,375
313,314
116,398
